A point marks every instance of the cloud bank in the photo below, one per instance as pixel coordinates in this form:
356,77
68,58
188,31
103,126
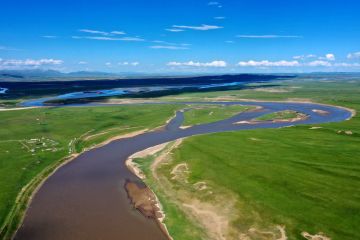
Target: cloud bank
198,64
28,63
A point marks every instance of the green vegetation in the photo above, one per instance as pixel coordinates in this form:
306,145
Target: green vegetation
35,141
8,103
306,178
282,115
176,221
339,92
200,114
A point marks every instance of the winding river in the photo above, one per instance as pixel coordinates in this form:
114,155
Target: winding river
85,199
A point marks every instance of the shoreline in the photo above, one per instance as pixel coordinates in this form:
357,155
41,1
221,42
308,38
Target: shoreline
211,100
208,100
25,197
134,168
353,111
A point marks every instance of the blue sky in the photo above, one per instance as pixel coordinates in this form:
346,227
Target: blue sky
181,36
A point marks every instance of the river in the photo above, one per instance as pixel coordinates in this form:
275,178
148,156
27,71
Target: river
85,199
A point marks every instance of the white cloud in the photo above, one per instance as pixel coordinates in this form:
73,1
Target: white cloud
82,62
330,57
203,27
268,36
94,32
28,63
266,63
129,64
112,33
174,30
229,41
108,64
118,32
131,39
319,63
159,41
49,36
170,43
219,18
198,64
3,48
347,64
170,47
300,57
303,57
216,4
103,38
295,63
353,55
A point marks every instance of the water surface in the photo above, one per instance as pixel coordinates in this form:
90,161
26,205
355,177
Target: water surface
85,199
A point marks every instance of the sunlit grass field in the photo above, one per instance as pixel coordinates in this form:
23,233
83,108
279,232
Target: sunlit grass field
32,140
201,114
303,178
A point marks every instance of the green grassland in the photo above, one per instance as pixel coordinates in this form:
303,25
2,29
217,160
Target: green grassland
282,115
34,141
305,178
177,223
200,114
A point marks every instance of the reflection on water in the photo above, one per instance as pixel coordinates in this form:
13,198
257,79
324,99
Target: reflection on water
3,90
91,94
220,85
122,91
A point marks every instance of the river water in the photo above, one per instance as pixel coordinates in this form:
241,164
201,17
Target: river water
85,199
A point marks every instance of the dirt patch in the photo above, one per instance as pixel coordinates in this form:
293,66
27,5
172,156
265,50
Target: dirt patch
16,109
200,186
254,139
128,135
185,127
143,200
272,90
134,167
301,100
88,137
247,122
319,236
299,117
314,128
163,157
320,112
277,233
128,101
345,132
180,172
146,202
215,224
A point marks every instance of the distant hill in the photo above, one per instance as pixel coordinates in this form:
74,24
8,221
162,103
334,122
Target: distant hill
48,75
